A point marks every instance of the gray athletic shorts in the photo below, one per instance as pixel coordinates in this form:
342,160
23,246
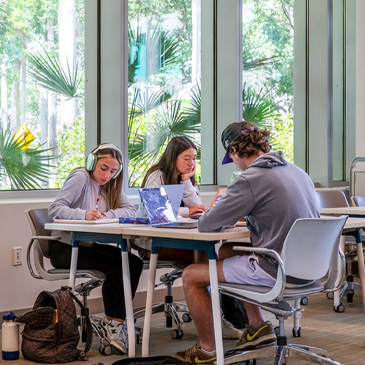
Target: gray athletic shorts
246,270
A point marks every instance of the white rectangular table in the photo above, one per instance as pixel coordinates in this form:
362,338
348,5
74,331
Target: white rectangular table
161,237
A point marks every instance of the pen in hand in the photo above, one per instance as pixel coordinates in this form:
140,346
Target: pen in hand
98,215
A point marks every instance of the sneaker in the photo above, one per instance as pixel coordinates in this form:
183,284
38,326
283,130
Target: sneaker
256,336
195,355
230,331
115,335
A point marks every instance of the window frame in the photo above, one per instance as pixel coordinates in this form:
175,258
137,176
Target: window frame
106,100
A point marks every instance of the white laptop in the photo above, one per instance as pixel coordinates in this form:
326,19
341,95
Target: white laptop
159,208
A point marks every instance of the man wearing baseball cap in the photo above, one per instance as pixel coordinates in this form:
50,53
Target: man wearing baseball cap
271,193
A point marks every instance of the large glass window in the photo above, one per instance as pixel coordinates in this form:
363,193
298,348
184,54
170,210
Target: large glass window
268,59
164,90
42,88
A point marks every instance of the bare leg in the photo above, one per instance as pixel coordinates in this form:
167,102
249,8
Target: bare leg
195,280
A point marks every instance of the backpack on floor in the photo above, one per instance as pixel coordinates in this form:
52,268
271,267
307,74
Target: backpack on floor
51,333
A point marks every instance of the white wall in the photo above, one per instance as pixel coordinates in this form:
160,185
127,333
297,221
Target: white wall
18,288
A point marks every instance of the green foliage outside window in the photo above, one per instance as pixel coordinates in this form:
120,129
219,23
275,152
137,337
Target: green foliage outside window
282,134
71,150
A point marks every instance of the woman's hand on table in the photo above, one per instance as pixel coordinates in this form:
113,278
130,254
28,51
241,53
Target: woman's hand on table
197,209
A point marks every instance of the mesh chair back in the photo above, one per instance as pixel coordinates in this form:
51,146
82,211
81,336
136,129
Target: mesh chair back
310,246
37,219
359,200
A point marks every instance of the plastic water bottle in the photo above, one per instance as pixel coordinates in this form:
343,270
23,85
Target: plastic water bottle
10,337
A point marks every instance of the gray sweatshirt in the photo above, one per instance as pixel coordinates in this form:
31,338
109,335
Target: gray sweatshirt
80,193
272,193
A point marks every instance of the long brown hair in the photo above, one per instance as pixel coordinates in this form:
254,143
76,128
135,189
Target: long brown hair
167,162
112,190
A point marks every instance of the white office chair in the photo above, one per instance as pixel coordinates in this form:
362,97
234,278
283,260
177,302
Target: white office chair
333,198
37,263
310,252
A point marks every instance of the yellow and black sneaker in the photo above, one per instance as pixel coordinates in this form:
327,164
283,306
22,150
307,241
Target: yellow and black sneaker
196,355
256,336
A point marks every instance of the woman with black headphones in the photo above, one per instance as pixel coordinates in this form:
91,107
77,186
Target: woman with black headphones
94,192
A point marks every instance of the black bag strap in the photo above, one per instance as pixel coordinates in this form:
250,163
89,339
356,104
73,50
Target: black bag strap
89,329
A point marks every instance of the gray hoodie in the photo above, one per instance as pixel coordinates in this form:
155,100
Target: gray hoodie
272,193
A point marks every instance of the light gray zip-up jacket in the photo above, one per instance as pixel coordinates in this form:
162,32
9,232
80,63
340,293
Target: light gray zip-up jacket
80,193
272,193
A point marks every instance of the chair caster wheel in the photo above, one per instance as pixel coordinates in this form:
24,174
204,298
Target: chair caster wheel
296,333
177,334
330,295
186,317
105,349
339,309
304,301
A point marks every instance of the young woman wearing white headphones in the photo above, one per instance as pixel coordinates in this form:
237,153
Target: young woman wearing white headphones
94,192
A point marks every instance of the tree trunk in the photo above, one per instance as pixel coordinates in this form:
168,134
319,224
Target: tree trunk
4,97
15,112
23,79
43,116
52,113
67,52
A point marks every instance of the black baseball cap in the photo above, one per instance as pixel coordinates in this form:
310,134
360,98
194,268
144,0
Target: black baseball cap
230,134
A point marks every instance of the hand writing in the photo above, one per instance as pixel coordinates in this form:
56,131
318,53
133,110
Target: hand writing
92,214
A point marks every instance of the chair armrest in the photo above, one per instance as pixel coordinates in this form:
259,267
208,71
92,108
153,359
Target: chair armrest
49,238
276,293
29,262
264,251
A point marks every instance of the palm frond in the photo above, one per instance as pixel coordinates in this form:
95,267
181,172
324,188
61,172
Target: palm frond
25,167
49,73
257,106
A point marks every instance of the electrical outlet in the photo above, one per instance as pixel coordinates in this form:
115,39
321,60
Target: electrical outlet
17,256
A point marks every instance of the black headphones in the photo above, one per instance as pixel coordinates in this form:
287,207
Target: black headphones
92,158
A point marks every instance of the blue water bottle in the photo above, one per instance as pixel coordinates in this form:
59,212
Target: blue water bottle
10,337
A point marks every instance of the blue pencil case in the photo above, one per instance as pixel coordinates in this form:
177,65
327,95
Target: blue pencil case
137,220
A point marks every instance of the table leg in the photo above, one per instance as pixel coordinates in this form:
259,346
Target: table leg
336,294
360,257
74,256
128,305
149,302
217,320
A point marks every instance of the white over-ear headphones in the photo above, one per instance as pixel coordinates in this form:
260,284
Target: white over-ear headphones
92,158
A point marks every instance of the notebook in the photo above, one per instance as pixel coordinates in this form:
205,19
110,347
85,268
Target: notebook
83,221
159,209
